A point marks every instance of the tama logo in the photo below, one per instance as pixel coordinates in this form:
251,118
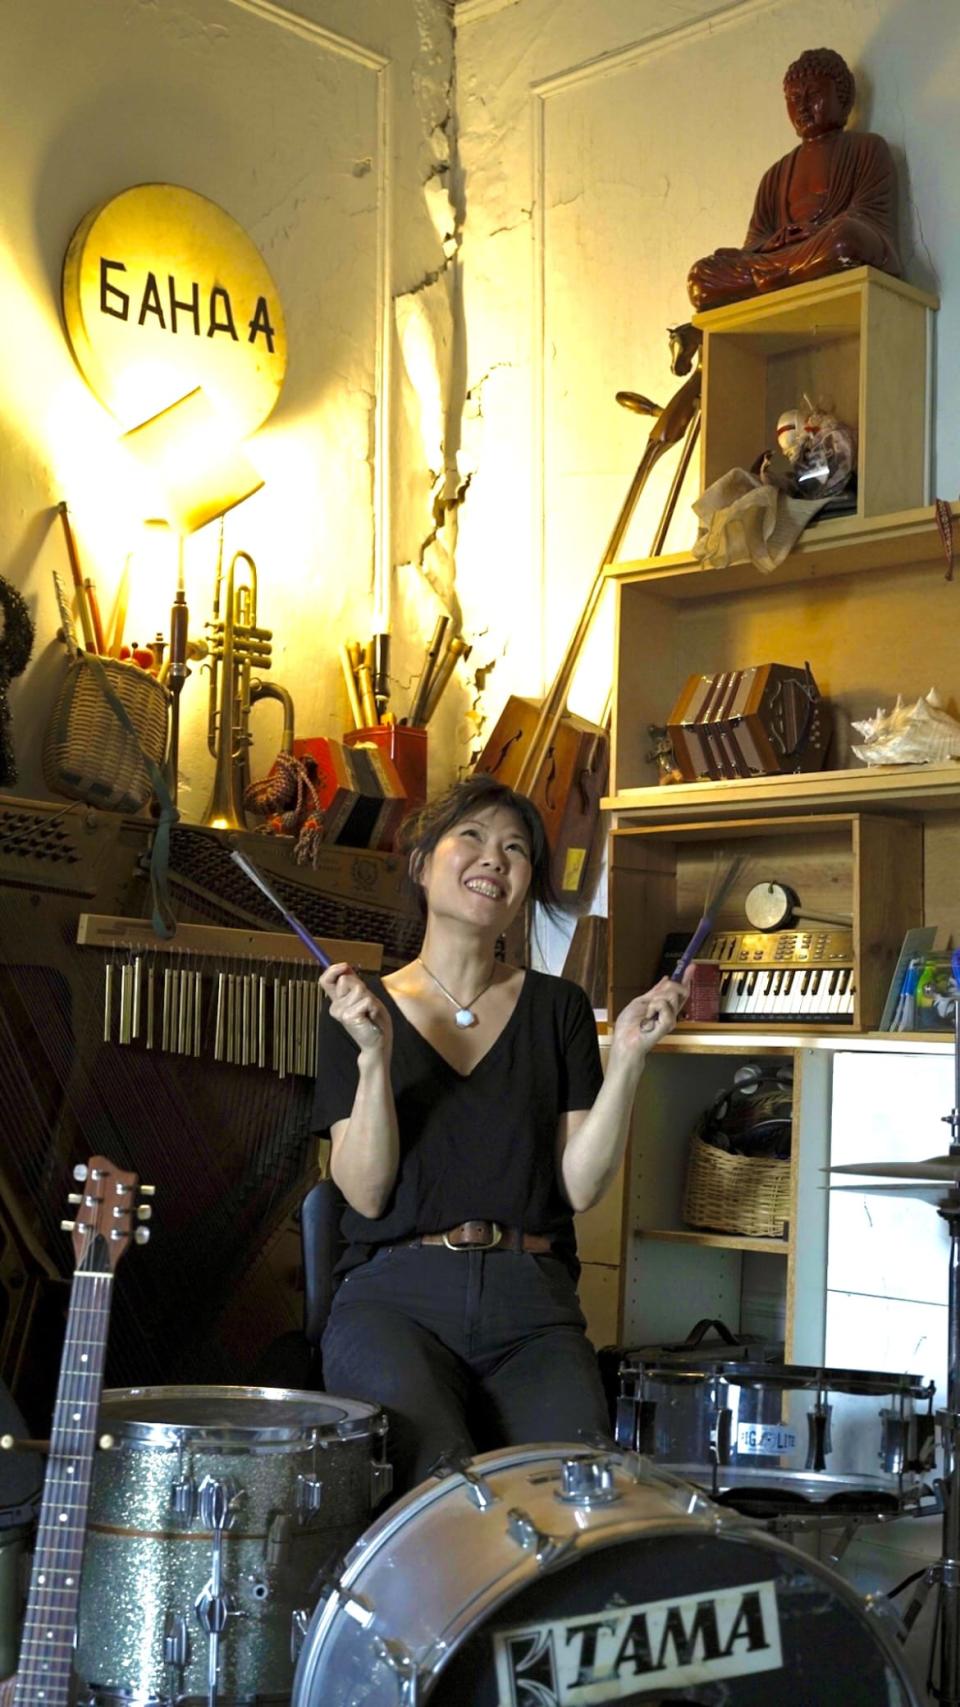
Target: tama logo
608,1655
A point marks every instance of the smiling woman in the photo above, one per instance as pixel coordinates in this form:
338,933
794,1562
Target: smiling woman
469,1119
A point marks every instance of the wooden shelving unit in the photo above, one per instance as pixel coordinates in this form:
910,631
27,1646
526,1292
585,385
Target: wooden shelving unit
865,599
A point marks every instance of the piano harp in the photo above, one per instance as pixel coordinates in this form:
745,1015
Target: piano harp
788,977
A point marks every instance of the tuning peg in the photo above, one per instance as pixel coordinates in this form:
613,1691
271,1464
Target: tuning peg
142,1236
106,1443
74,1196
144,1212
148,1191
68,1226
80,1171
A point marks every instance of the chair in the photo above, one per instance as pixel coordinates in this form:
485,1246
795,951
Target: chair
293,1360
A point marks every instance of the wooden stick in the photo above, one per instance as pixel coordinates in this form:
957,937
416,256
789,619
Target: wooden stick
457,648
426,676
83,609
350,681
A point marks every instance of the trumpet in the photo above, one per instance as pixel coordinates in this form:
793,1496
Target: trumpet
237,647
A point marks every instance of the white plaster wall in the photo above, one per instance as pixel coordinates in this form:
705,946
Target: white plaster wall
605,147
321,130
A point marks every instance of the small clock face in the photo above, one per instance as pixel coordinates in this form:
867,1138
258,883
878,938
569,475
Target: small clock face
769,906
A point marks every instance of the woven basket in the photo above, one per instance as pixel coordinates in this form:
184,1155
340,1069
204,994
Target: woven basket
736,1194
87,753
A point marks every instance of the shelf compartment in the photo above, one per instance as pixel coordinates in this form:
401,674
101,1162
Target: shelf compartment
867,638
908,788
714,1241
867,867
857,341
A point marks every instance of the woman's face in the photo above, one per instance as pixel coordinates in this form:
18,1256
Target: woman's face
479,872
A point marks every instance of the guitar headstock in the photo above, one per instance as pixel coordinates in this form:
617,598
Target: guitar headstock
108,1206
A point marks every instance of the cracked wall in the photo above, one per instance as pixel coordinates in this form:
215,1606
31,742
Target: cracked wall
262,110
654,123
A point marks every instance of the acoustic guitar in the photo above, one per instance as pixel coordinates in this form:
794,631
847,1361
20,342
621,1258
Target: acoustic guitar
106,1213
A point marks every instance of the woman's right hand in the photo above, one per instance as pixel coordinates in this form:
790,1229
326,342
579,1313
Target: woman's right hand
363,1016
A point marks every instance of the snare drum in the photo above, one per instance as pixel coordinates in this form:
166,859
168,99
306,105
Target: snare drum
782,1437
559,1576
213,1520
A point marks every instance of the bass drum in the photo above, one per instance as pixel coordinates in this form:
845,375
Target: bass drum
551,1576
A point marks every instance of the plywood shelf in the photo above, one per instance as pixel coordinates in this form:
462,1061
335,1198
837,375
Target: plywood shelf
907,788
715,1241
846,546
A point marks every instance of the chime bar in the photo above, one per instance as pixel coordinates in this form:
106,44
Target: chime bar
105,930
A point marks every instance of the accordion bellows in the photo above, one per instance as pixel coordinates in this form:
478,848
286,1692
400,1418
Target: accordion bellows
761,721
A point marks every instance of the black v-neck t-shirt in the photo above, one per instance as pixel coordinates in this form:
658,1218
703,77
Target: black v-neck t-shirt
480,1145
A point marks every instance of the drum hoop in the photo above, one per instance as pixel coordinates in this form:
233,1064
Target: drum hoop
358,1421
447,1642
791,1377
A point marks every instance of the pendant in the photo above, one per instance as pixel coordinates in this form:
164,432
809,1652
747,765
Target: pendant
464,1017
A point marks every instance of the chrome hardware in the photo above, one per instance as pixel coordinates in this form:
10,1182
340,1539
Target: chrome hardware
587,1482
358,1609
381,1481
309,1495
721,1433
299,1625
183,1497
212,1611
397,1656
176,1641
547,1549
458,1464
215,1503
141,1236
818,1435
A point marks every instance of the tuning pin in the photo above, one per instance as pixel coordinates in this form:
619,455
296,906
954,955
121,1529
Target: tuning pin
148,1191
142,1236
144,1212
80,1171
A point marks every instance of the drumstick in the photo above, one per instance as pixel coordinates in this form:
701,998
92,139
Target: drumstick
256,876
86,622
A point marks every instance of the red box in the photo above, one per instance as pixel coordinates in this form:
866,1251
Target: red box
407,747
703,1002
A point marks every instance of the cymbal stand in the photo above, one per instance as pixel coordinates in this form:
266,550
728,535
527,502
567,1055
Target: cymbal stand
944,1574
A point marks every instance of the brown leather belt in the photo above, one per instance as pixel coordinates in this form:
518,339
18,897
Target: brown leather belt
487,1236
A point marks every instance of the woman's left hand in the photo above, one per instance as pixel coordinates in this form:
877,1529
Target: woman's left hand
649,1018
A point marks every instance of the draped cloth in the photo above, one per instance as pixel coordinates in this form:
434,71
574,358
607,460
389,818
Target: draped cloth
862,187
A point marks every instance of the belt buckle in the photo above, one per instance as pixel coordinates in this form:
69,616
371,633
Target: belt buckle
491,1244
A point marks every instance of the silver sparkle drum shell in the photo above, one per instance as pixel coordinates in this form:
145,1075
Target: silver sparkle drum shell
506,1594
303,1468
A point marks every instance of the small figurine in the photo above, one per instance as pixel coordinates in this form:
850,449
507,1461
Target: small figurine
827,205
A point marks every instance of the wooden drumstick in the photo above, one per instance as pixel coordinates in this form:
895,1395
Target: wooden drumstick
83,608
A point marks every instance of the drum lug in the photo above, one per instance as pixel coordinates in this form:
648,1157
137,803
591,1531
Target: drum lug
212,1611
547,1549
721,1434
381,1480
587,1482
819,1445
299,1625
183,1497
309,1495
397,1656
176,1641
458,1464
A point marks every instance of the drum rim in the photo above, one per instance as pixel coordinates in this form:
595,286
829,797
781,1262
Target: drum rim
733,1526
795,1377
359,1420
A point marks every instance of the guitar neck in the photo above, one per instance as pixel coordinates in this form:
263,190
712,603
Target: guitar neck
44,1675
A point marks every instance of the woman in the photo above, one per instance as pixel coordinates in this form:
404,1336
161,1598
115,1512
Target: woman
469,1119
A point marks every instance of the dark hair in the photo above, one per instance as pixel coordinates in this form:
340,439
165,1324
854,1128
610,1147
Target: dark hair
824,62
420,833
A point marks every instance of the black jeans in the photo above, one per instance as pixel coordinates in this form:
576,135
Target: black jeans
466,1350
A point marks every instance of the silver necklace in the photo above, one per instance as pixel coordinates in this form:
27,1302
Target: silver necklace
464,1015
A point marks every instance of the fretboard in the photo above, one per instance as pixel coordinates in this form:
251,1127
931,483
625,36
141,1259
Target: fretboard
46,1649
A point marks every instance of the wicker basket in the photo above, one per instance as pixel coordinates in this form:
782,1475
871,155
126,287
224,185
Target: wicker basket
87,753
736,1194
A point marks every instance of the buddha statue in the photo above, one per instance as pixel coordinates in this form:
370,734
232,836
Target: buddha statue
827,205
